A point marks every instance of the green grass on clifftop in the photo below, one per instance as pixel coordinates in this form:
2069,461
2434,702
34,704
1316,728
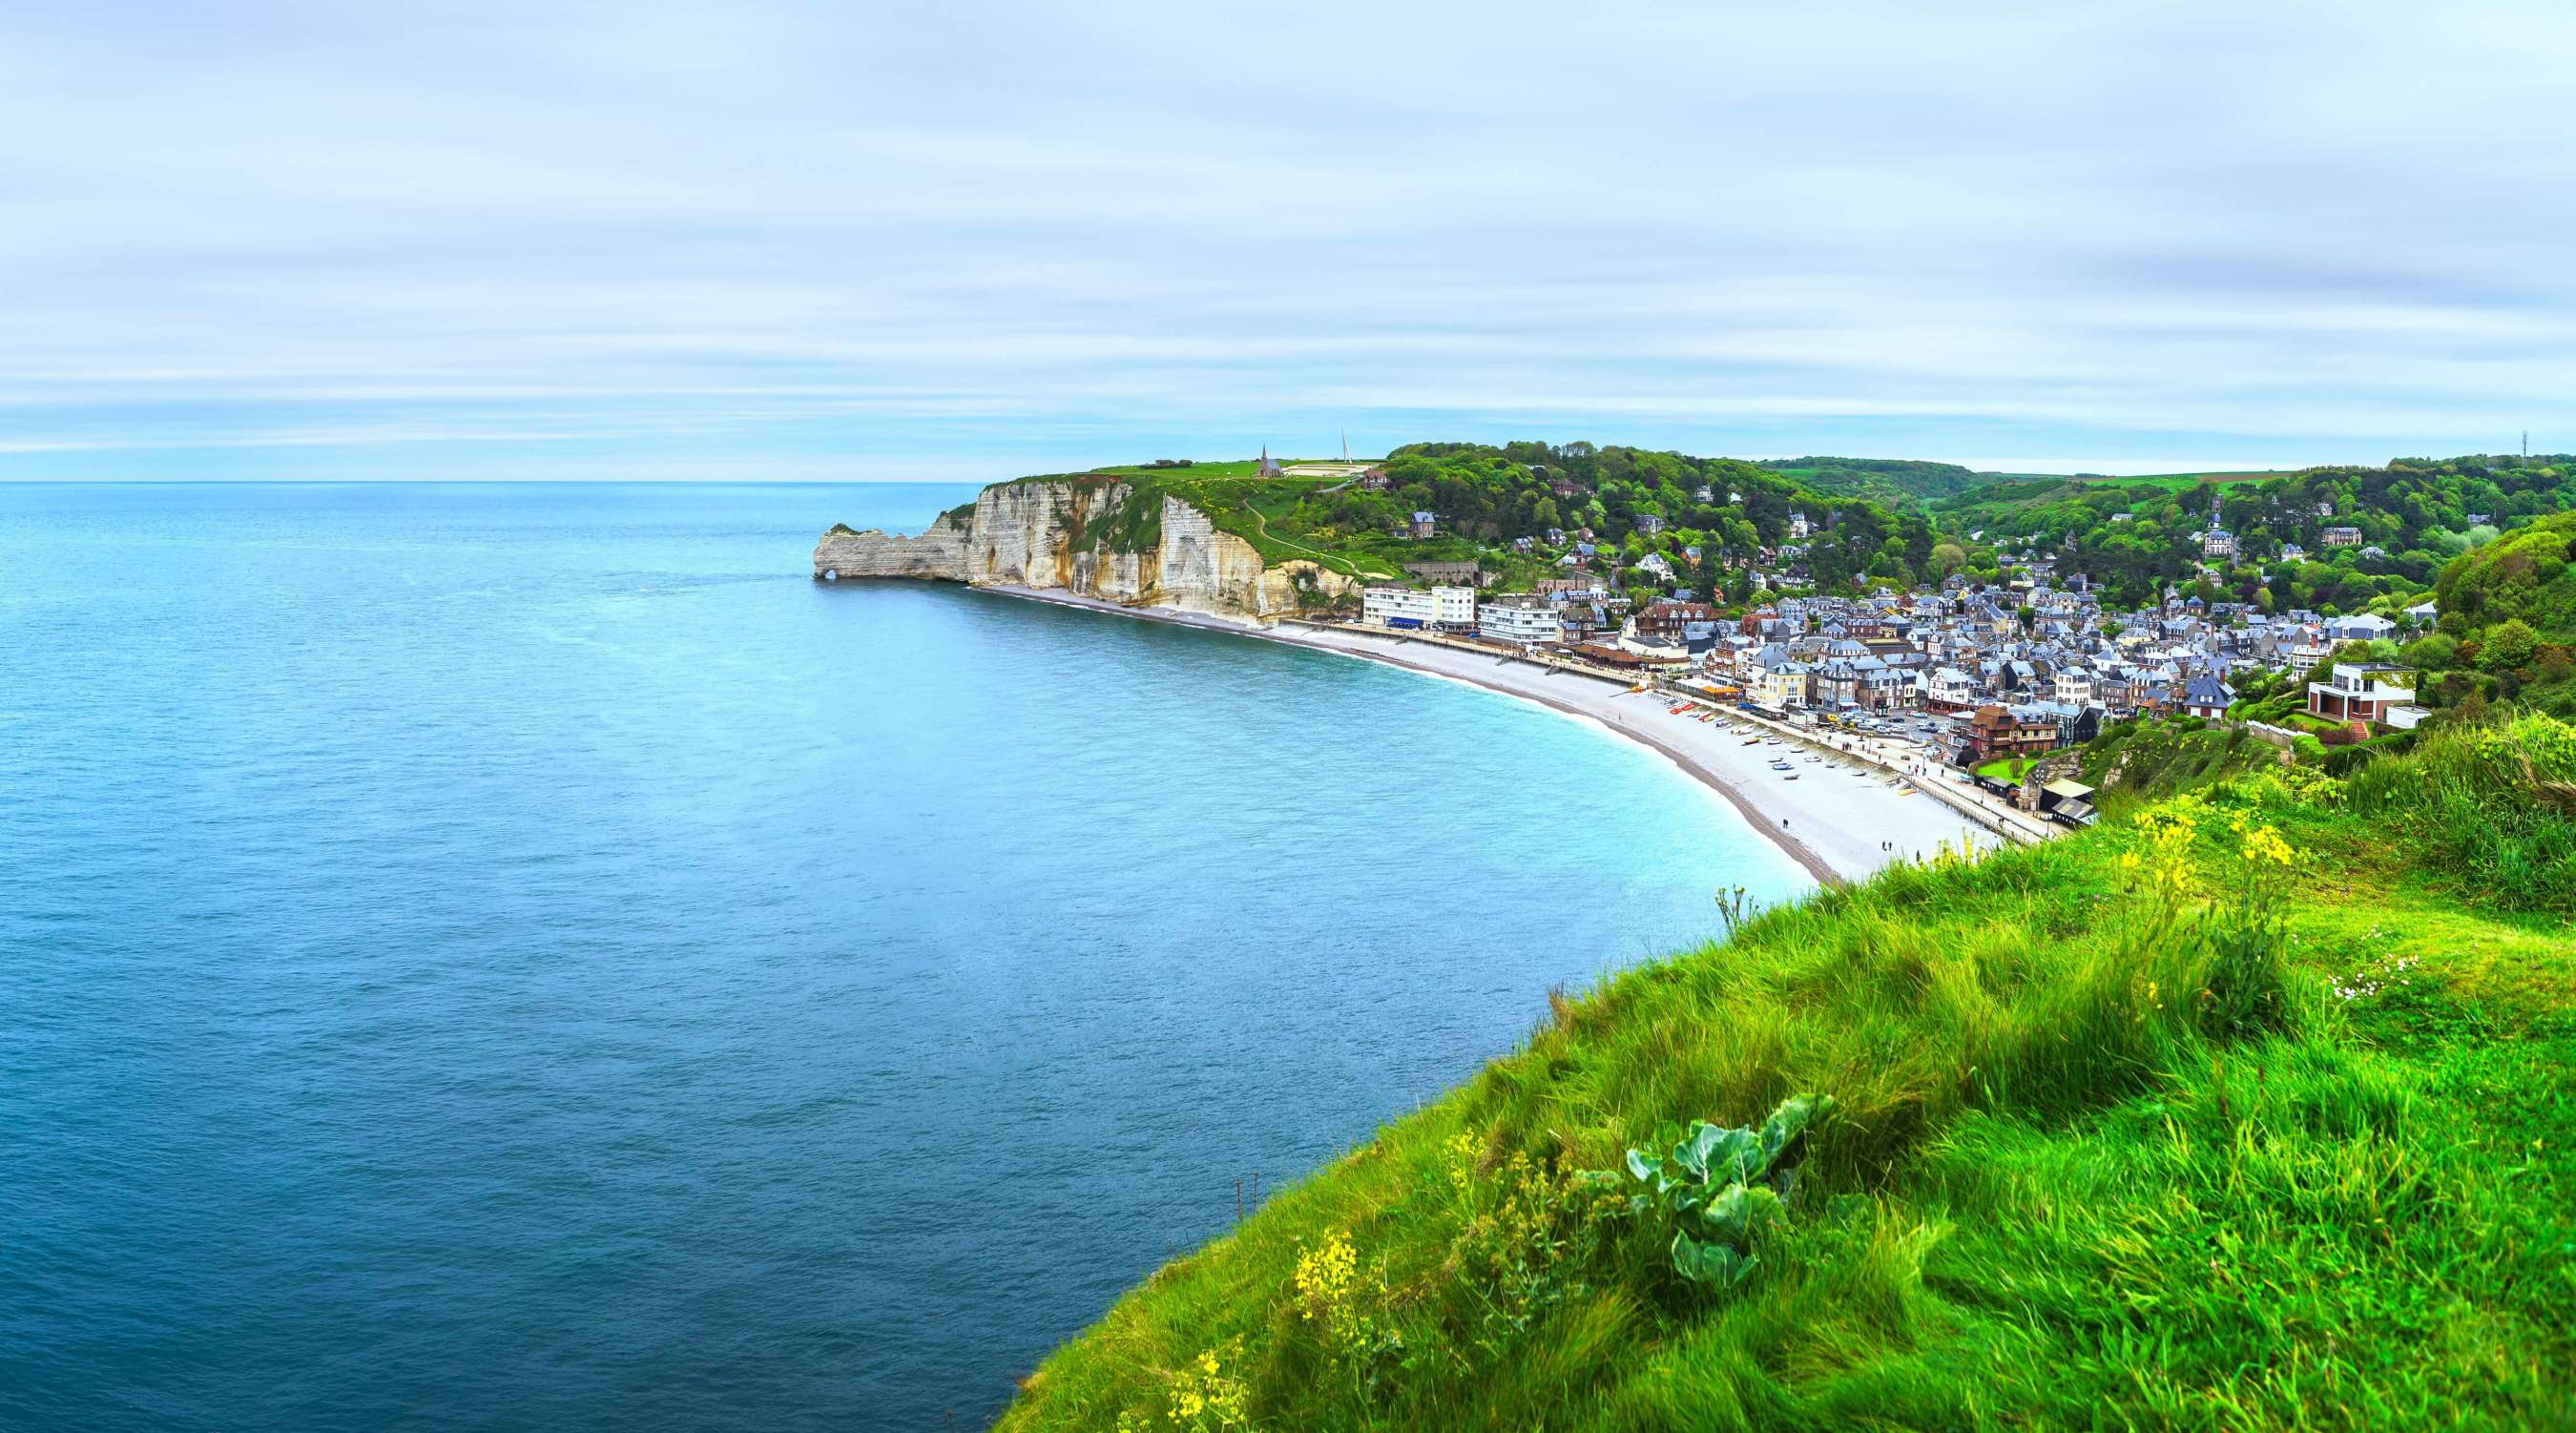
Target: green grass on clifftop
2254,1109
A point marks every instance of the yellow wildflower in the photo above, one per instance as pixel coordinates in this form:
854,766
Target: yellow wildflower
1324,1274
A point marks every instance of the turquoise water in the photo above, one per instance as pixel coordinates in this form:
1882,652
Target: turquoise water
528,957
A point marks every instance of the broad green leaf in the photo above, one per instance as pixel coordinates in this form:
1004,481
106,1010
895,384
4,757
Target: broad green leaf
1735,1158
1786,1123
1741,1211
1713,1266
1691,1155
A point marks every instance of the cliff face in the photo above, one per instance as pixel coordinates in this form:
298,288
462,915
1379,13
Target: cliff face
1067,536
939,552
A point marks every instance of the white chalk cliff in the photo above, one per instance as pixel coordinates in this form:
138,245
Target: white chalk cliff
1078,536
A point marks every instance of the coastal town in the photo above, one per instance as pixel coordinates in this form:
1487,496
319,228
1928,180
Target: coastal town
1986,679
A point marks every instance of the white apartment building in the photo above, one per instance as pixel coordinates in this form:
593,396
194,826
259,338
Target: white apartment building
1411,608
1528,623
1396,607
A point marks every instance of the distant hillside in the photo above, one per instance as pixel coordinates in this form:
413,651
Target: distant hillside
1887,480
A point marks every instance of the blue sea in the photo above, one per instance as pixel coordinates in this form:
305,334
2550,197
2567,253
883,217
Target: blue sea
528,957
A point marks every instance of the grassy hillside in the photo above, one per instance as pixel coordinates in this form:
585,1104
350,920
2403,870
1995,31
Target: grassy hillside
2253,1109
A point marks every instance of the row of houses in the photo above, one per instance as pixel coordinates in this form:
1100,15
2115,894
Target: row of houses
2042,656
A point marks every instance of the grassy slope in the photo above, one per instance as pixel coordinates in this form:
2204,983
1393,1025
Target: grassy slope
2054,1191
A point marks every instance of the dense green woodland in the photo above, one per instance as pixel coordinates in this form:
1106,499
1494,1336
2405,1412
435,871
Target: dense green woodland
1497,494
2132,539
1894,481
2508,625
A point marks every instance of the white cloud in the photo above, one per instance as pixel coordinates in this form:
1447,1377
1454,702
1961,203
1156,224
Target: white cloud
883,240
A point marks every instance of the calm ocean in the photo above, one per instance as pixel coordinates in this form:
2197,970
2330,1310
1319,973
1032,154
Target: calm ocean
528,957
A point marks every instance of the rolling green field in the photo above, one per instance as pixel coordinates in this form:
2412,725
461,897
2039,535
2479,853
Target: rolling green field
2252,1109
2185,482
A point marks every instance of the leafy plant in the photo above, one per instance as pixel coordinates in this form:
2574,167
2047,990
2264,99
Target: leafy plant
1719,1188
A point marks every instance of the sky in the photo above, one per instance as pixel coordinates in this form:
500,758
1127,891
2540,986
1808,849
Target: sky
913,241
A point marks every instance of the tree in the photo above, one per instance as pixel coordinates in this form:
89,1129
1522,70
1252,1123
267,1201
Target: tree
2431,652
2509,645
1948,557
1916,532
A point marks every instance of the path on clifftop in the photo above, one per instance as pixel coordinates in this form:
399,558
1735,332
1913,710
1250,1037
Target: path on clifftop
1346,566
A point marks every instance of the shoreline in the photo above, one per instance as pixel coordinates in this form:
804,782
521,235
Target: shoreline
1832,827
1799,851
